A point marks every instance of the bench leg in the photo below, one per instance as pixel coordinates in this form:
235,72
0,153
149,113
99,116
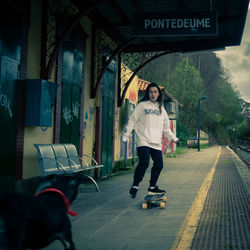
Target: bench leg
94,182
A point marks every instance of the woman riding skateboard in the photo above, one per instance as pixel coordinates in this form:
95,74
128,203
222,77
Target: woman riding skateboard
149,120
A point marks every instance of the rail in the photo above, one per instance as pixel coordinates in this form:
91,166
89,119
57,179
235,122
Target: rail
242,149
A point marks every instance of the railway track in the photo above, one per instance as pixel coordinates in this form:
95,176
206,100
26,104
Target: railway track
242,149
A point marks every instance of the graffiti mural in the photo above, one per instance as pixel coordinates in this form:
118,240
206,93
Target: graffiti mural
87,124
116,124
91,113
130,150
167,146
133,96
122,144
84,130
130,146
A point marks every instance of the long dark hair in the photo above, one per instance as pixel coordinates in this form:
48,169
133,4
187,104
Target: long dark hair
146,95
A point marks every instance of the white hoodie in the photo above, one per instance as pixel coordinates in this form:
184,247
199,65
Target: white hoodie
149,124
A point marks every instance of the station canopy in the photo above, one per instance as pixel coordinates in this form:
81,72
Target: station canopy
169,25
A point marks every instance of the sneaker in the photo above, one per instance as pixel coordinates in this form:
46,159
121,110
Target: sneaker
155,190
133,192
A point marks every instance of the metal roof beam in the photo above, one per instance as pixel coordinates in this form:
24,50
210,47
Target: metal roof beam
118,9
121,98
76,20
100,77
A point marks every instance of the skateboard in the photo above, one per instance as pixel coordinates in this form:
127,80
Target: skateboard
154,201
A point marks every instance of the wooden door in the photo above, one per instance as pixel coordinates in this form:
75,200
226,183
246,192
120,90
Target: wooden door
10,57
107,121
71,94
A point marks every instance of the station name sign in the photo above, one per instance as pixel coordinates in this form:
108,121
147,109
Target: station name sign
176,24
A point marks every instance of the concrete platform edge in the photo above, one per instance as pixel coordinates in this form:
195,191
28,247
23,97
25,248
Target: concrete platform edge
187,230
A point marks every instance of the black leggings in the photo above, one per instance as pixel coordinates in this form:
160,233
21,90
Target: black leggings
144,154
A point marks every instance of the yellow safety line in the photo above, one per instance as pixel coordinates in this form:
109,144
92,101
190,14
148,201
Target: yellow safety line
187,231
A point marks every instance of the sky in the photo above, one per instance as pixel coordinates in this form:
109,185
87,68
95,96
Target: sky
237,60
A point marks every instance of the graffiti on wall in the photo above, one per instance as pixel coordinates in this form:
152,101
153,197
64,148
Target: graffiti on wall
44,129
67,115
76,109
5,103
131,109
167,146
130,146
91,113
116,124
131,140
133,96
87,124
84,129
122,144
70,112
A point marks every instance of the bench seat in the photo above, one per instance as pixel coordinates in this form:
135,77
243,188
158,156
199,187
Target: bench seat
64,159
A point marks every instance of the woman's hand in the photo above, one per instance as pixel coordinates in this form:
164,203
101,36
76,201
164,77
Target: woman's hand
177,142
124,138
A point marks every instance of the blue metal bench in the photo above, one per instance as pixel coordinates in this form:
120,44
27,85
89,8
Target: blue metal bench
64,159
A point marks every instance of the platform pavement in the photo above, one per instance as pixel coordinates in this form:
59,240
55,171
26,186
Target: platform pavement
110,219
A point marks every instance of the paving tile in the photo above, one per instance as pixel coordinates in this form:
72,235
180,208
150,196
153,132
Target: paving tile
110,219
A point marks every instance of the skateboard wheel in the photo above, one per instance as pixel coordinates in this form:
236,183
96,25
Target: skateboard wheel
164,199
144,206
162,204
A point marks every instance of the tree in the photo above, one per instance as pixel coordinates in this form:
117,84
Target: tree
224,113
190,76
160,68
185,83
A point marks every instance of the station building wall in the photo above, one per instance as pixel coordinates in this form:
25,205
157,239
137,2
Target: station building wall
36,134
